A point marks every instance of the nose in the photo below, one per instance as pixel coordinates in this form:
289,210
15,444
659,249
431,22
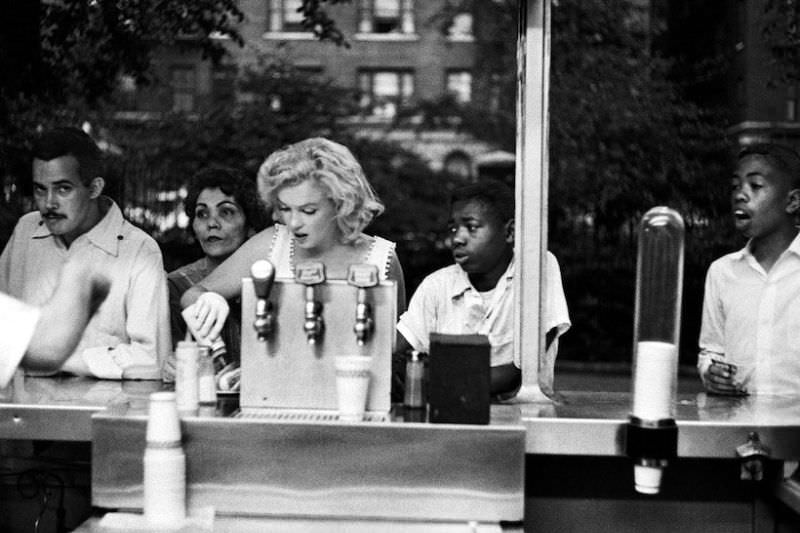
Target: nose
50,200
294,221
739,195
213,221
458,237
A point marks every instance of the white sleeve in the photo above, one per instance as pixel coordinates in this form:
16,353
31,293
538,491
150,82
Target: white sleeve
16,331
146,324
419,319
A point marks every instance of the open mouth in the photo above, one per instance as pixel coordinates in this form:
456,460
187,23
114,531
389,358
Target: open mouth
741,215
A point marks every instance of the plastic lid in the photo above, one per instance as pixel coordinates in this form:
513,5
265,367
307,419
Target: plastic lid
647,479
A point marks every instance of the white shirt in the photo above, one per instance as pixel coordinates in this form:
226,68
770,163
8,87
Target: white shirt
446,302
751,318
131,327
17,325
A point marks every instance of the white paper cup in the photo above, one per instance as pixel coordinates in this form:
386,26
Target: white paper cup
163,422
352,384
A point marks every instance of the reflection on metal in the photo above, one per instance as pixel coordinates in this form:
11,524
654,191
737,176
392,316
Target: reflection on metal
533,69
382,471
753,453
61,408
592,424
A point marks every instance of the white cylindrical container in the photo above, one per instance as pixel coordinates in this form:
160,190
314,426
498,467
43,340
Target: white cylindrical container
187,388
657,314
652,435
164,479
206,378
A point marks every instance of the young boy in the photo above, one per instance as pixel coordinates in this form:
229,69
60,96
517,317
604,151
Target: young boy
750,334
475,295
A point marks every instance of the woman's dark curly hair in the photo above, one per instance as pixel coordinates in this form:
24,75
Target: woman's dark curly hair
233,183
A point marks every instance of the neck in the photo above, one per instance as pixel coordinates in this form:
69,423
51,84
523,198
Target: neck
768,248
486,281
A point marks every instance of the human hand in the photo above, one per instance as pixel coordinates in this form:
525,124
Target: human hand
720,378
206,316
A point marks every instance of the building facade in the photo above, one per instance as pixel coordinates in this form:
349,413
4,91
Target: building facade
399,53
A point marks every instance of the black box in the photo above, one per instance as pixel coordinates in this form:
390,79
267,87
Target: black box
459,390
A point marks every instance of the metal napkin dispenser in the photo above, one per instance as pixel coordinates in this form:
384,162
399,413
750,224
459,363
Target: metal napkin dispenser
312,320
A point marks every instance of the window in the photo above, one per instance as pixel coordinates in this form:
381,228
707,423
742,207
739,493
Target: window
184,87
386,16
459,84
461,28
382,91
284,16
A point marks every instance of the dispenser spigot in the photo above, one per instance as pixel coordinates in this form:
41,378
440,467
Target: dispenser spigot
263,274
363,276
310,274
752,453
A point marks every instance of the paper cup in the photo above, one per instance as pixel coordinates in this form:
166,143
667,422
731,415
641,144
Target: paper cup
352,384
163,422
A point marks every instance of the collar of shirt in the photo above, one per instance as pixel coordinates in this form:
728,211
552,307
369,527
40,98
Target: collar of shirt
462,284
106,234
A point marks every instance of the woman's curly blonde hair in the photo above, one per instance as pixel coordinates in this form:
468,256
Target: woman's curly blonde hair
330,165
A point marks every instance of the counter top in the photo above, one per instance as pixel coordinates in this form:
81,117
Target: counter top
575,423
593,423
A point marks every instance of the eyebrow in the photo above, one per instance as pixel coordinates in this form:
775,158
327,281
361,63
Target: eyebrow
56,183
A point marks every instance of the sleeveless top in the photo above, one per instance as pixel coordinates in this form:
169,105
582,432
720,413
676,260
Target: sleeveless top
379,254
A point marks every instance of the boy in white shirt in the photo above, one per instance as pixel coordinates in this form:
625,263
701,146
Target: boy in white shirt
750,334
475,295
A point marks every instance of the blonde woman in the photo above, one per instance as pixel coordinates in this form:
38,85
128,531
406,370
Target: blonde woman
321,202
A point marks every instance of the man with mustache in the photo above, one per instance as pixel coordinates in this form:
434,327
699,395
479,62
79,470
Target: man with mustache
129,335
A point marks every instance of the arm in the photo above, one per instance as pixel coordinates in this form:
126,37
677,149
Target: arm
206,303
226,279
716,378
505,379
64,317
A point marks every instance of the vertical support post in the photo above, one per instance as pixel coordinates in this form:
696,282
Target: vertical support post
530,248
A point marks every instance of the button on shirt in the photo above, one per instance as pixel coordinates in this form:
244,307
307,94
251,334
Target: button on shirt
751,318
131,327
446,302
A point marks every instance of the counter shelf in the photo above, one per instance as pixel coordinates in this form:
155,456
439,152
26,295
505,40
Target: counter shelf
300,468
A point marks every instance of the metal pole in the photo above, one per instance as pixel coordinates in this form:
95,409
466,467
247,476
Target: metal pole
533,70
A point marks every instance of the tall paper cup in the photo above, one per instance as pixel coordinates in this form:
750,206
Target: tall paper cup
163,422
352,384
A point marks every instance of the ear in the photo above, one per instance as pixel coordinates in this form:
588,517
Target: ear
509,227
793,202
96,187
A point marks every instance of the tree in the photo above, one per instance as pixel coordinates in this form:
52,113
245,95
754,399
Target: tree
781,31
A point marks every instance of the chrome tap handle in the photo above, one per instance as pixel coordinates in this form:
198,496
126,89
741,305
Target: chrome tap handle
363,276
310,274
263,274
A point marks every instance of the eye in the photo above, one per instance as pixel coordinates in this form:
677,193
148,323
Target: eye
201,214
472,227
451,229
283,208
309,211
64,189
228,212
38,190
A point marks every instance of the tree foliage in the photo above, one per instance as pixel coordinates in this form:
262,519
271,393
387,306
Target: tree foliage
781,32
